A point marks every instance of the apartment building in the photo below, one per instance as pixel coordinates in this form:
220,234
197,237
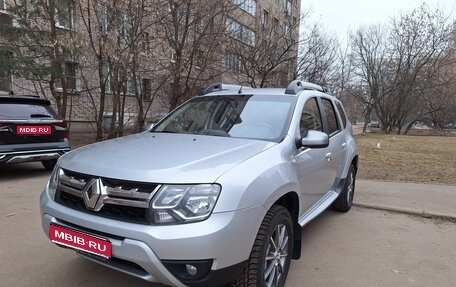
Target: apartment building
134,57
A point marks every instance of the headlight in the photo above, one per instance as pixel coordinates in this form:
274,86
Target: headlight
53,182
184,203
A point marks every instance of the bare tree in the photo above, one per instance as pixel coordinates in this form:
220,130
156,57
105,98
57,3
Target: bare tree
263,56
418,51
402,68
38,34
191,35
369,58
323,60
318,56
120,53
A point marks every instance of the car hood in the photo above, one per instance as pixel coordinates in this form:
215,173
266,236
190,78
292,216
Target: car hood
162,157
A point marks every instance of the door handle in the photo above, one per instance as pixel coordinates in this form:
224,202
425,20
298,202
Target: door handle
328,156
344,145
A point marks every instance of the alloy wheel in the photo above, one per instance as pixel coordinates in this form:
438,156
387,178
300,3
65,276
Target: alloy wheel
350,188
276,256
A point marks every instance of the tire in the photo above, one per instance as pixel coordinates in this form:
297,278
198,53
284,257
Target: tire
49,164
268,266
345,200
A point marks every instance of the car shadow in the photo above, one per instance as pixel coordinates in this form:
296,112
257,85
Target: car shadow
22,170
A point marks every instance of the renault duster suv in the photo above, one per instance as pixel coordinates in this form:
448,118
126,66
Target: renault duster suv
217,192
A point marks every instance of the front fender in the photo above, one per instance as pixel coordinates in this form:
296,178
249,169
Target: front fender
261,180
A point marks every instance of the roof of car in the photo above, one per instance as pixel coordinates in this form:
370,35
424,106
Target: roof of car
32,99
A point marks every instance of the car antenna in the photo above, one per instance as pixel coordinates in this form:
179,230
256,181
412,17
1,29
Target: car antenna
240,90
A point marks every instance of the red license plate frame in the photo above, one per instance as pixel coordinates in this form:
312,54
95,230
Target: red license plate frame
34,130
80,241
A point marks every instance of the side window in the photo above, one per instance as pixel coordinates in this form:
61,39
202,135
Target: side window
310,118
333,125
342,114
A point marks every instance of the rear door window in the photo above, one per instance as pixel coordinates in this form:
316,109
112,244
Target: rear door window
342,114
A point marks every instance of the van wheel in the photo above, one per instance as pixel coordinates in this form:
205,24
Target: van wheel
345,200
49,164
270,257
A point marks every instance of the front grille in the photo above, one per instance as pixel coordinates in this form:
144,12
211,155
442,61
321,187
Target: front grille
118,212
121,200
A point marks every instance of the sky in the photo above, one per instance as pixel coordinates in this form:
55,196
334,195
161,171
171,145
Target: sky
340,16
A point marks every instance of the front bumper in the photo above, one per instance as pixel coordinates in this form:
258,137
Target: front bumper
143,250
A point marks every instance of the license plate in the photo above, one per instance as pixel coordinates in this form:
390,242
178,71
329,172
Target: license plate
33,130
80,241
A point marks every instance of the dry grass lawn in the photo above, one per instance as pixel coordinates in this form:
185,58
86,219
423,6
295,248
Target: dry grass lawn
427,159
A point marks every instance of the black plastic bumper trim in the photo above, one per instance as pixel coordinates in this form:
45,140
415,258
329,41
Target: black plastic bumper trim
212,278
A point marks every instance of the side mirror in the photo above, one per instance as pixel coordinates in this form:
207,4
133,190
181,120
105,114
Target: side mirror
315,139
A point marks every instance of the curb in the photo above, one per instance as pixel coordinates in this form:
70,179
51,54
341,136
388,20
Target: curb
410,211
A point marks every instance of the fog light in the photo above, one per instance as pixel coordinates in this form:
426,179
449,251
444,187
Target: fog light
189,271
192,270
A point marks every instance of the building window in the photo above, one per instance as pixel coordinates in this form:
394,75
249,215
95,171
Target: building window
265,19
275,24
70,71
146,42
199,59
248,6
287,6
64,14
234,63
240,32
173,56
286,30
199,26
131,88
127,28
178,9
106,71
146,89
103,14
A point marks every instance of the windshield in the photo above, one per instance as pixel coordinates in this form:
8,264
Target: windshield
241,116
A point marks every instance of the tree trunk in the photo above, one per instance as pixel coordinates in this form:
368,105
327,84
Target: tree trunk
99,118
122,116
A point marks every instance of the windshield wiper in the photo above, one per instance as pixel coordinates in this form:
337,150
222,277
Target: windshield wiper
214,132
165,132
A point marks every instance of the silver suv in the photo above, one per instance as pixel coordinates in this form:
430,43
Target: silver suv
217,192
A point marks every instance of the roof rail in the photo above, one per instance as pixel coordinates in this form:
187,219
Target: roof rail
19,95
221,87
296,86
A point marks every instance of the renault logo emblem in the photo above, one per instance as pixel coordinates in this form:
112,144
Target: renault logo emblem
92,193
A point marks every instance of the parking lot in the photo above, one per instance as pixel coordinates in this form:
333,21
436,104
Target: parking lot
361,248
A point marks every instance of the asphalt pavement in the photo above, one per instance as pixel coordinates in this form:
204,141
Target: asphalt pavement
364,247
